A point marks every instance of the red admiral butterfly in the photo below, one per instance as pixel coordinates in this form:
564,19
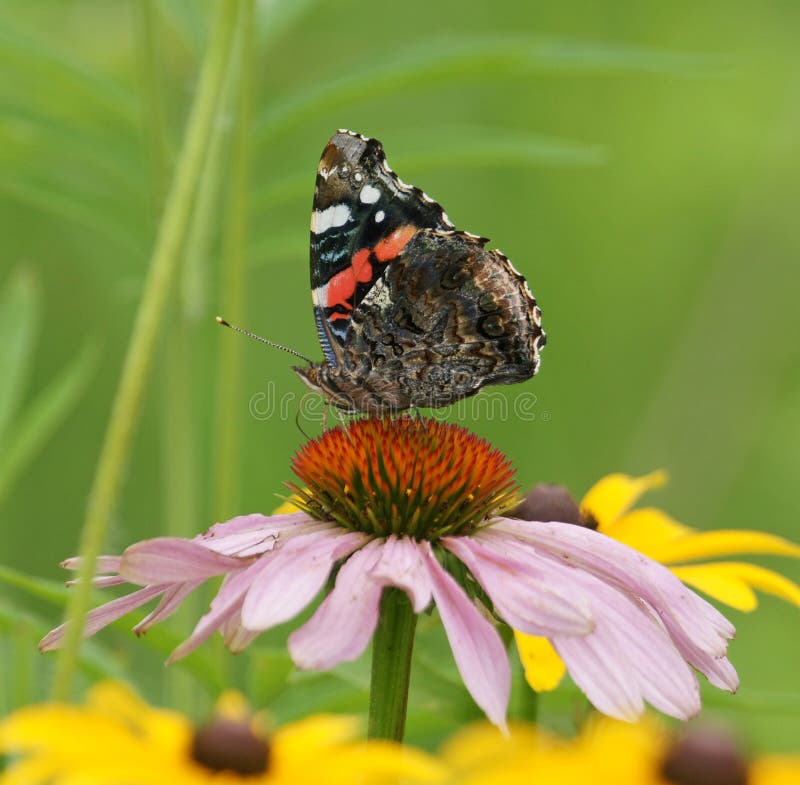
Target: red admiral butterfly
409,311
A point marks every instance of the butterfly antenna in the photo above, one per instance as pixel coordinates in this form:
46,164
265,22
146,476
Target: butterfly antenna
300,427
255,337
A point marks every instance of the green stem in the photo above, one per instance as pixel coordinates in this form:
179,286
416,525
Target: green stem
154,122
392,646
528,705
227,453
142,343
178,469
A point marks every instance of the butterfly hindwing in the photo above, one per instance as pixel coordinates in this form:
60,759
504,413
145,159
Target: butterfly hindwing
363,216
446,318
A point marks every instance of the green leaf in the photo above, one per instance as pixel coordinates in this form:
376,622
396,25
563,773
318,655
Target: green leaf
50,591
277,19
484,57
92,215
20,312
96,661
65,80
317,692
36,425
268,674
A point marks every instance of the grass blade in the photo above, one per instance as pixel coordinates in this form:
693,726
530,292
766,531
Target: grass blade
46,412
20,307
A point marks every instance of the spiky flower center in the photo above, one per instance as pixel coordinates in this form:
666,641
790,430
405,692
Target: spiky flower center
417,477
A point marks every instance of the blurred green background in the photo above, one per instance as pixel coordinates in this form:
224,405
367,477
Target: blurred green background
638,161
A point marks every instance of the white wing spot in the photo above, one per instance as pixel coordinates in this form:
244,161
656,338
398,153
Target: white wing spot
379,216
369,194
333,216
319,296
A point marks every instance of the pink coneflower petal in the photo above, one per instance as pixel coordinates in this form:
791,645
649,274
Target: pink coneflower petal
617,563
173,560
170,602
242,544
523,590
342,626
599,667
254,535
225,605
402,565
477,647
697,628
718,670
104,564
235,636
103,616
629,655
293,575
102,581
242,524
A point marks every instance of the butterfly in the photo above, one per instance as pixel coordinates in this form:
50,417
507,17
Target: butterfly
410,312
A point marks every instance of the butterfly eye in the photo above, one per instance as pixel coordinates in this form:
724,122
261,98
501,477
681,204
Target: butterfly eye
491,326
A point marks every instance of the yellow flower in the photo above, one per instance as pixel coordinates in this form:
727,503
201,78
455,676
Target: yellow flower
608,751
608,506
118,739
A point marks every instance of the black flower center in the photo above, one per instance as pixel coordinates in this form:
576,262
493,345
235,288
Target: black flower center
228,745
705,757
551,502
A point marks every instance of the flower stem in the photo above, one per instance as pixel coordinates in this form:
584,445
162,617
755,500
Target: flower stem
392,645
143,340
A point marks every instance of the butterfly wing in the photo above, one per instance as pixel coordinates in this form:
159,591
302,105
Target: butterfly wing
363,216
446,318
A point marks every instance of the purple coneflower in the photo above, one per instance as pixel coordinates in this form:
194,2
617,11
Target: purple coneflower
408,504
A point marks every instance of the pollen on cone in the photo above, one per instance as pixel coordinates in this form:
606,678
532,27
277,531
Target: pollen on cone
405,476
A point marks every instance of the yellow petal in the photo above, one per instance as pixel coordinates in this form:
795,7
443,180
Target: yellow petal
614,495
32,771
327,738
729,589
775,770
480,743
544,669
232,705
723,542
646,530
286,507
480,754
733,583
382,762
316,733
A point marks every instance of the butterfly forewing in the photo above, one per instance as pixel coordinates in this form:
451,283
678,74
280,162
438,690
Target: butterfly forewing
363,216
